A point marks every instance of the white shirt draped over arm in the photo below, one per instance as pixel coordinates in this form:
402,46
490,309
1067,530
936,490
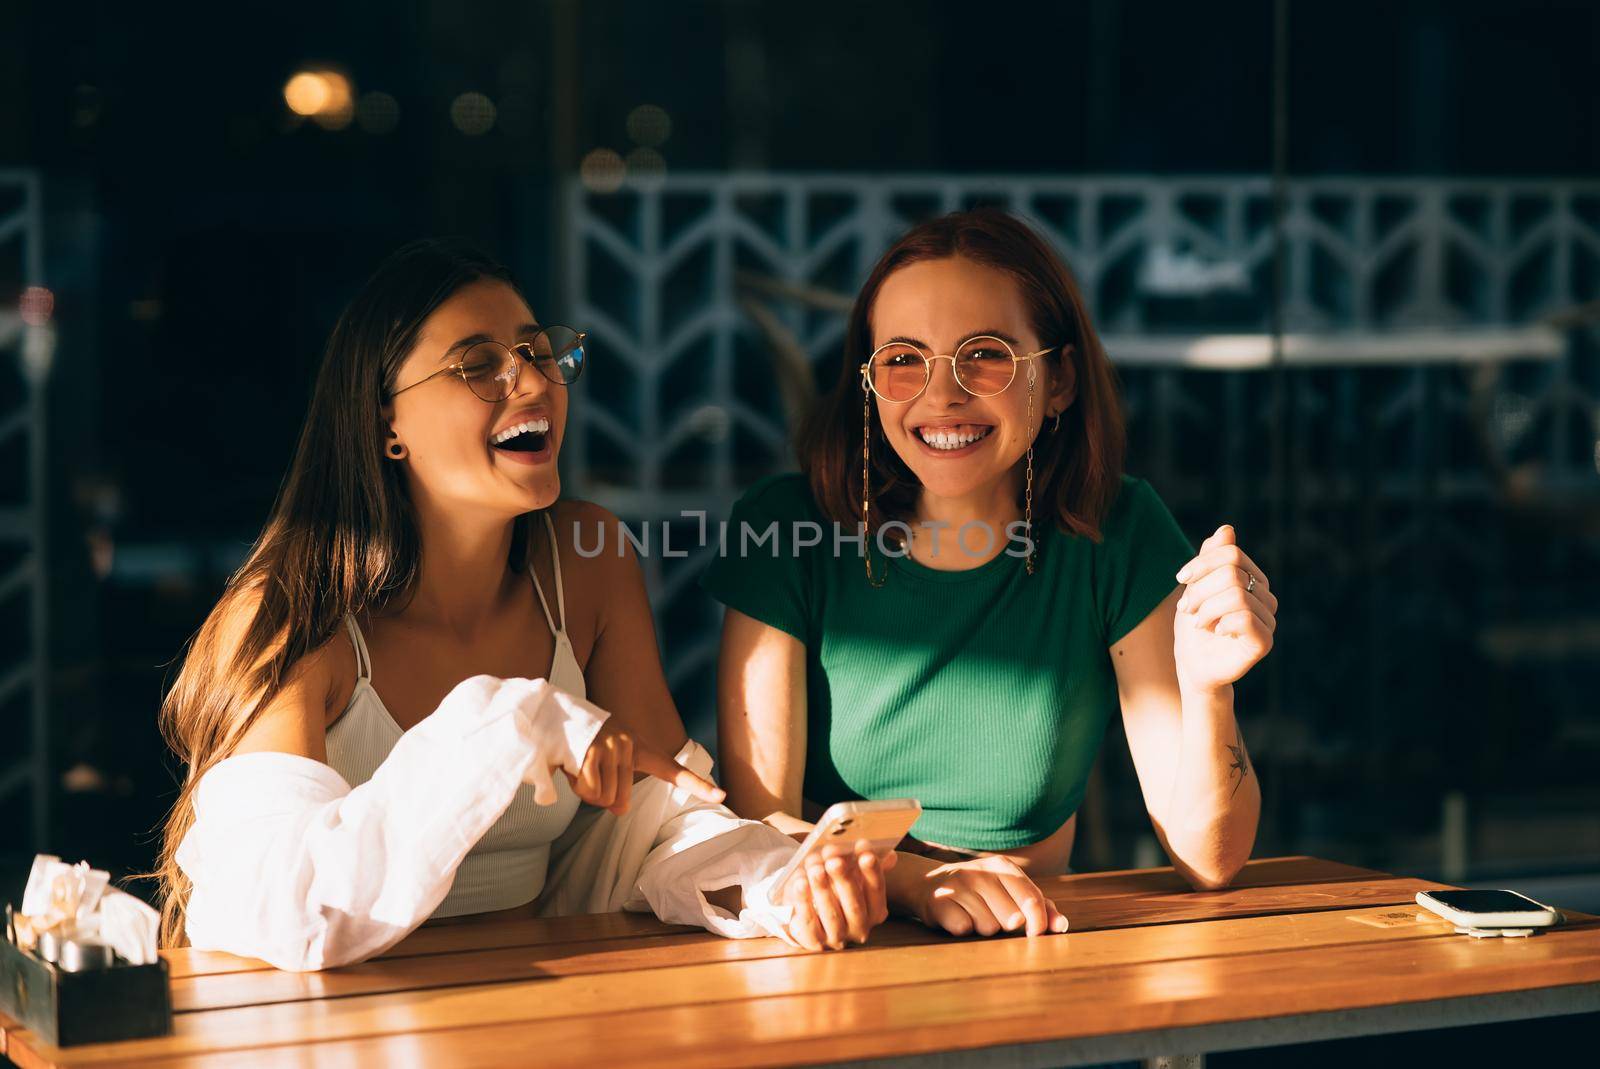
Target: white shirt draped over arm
289,864
664,853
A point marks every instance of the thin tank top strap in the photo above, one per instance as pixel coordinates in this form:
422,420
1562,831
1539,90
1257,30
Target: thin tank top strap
363,660
555,562
561,598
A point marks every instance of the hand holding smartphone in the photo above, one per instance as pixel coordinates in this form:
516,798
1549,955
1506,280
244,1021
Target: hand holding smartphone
882,824
834,881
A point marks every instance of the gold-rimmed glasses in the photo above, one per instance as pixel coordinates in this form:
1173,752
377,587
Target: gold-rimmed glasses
984,366
490,369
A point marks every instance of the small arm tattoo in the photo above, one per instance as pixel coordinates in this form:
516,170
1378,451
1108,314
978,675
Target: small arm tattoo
1241,765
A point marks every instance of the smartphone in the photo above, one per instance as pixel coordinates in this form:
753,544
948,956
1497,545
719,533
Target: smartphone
882,824
1488,909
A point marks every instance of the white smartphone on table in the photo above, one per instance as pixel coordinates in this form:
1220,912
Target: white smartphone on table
882,824
1488,909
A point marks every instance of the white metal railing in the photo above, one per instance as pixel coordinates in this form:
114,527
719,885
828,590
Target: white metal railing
24,667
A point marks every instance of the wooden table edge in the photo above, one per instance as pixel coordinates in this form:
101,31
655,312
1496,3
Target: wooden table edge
1458,1011
1319,1026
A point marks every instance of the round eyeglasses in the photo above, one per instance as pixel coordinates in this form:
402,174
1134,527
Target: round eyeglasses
490,369
984,366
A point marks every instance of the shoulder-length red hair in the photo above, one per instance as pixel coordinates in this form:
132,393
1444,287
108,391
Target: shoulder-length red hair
1077,470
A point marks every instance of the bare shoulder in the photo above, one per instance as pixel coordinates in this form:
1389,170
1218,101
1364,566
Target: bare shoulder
315,687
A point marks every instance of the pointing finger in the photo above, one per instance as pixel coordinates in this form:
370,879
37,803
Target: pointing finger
665,768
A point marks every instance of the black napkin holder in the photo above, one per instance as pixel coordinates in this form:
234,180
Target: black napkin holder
94,1006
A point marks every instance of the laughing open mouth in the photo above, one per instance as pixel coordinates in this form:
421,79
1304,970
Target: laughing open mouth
957,437
528,437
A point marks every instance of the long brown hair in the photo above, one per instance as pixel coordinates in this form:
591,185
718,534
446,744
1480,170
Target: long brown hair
1077,469
342,537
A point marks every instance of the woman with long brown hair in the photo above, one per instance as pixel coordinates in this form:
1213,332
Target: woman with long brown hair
374,714
994,588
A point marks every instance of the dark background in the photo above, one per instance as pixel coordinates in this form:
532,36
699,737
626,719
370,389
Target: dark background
200,240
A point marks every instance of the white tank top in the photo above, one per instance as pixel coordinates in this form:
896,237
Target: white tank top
507,866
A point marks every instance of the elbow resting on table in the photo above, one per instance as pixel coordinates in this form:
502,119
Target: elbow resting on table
1212,872
1207,853
1218,879
1210,868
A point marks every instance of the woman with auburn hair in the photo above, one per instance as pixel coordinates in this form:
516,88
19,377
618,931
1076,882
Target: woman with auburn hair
374,715
995,586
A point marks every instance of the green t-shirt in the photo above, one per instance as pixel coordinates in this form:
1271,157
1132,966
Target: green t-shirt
983,693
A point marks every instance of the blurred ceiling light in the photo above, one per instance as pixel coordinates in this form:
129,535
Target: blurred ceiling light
378,113
307,93
36,305
602,171
472,113
323,95
646,166
649,125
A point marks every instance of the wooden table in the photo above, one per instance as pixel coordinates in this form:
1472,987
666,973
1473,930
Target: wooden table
1298,950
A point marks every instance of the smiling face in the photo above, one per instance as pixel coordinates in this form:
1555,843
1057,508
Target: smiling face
958,445
464,453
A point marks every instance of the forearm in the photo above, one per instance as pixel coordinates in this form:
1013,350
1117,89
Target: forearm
791,825
1209,826
906,883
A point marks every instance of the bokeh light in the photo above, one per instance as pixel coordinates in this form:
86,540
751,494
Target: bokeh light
602,171
36,305
646,167
306,93
378,113
473,114
649,125
323,95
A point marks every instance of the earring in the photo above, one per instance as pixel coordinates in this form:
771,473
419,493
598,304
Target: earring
397,450
1057,427
866,499
1033,545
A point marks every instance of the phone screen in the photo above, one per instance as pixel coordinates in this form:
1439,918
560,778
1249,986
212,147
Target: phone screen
1486,901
